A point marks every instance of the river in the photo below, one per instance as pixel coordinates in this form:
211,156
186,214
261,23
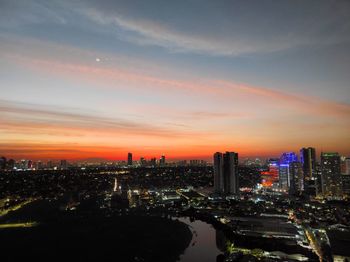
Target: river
203,246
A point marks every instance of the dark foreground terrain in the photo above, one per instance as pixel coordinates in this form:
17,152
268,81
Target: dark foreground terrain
93,236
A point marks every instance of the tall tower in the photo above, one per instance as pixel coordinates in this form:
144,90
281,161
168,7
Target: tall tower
218,172
308,160
331,175
285,178
226,173
129,159
231,185
162,160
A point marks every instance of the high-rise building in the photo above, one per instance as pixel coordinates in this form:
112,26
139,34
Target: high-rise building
2,162
50,164
296,178
30,164
226,173
331,176
284,170
218,172
142,161
38,165
11,164
162,160
308,160
346,185
153,161
347,166
270,177
288,157
63,164
284,176
129,159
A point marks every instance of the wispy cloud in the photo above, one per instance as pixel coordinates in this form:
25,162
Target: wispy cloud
230,28
28,118
214,89
238,35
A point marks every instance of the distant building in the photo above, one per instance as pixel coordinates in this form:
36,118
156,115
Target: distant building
50,164
63,164
182,163
2,163
38,165
347,166
226,173
142,161
129,159
30,164
11,164
308,161
331,175
153,161
346,185
270,177
162,160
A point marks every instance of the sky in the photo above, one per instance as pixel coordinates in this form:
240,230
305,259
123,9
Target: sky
99,79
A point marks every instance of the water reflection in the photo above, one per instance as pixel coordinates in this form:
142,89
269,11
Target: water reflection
207,244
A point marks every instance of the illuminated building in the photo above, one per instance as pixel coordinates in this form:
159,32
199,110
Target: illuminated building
288,158
284,176
129,159
308,160
296,177
30,164
270,177
284,170
226,173
331,177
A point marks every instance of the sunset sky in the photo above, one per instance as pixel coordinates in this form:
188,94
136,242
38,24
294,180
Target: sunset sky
98,79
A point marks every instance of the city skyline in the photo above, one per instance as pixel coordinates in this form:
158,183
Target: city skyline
98,80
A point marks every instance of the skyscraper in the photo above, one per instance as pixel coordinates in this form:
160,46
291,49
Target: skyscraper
347,166
129,159
308,160
331,177
218,172
284,176
296,178
285,170
142,161
3,162
226,173
162,160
